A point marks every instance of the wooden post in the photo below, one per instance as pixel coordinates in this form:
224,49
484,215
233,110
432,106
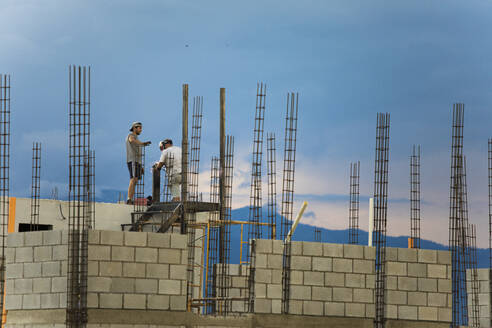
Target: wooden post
222,174
184,156
156,185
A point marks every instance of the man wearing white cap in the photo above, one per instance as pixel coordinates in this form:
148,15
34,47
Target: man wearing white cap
171,159
134,158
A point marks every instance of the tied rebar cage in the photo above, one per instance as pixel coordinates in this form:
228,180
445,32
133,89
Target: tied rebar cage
317,235
415,197
91,189
457,224
35,185
490,202
272,184
196,134
380,213
4,172
167,176
78,218
140,202
474,283
354,203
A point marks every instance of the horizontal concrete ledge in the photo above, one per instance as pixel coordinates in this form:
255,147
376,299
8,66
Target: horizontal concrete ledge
36,316
415,324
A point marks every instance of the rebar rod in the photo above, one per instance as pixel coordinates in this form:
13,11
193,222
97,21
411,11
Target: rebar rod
415,196
35,185
317,235
272,184
354,203
4,174
380,213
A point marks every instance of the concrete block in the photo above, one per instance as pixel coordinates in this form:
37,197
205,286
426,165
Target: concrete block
99,253
427,256
134,301
371,281
111,237
260,261
178,271
407,254
391,254
260,290
427,284
110,269
9,255
363,295
363,266
296,249
13,302
274,291
23,254
396,297
334,309
334,279
159,240
99,284
417,298
42,253
148,255
322,264
296,277
333,250
312,308
32,301
60,252
353,251
355,310
184,256
133,270
274,261
437,299
342,265
94,237
32,270
169,287
34,238
300,292
42,285
444,257
356,280
444,314
370,311
312,248
58,284
300,263
93,268
369,253
396,269
110,301
9,286
15,239
444,286
322,294
63,298
133,238
341,294
407,283
406,312
436,271
122,253
158,302
484,286
263,306
417,270
92,300
51,269
177,303
179,241
123,285
483,274
277,247
239,282
391,311
172,256
276,306
427,313
391,282
160,271
50,301
14,270
263,246
23,286
313,278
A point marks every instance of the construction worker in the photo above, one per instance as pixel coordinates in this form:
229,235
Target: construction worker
171,159
134,158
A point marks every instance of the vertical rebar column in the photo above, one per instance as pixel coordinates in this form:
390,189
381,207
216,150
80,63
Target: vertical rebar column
415,197
196,134
92,190
35,185
272,185
490,203
78,220
354,203
169,169
139,199
317,235
4,173
465,240
380,213
474,283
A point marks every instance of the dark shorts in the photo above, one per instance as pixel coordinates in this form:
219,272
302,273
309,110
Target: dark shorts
135,170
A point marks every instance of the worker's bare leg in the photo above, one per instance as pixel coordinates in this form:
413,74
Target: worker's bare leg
131,188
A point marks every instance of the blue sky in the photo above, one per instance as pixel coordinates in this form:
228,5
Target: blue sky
347,59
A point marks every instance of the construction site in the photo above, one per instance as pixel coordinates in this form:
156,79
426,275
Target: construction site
82,263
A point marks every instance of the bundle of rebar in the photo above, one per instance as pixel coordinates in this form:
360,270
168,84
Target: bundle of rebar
380,213
354,203
35,185
272,185
415,197
4,173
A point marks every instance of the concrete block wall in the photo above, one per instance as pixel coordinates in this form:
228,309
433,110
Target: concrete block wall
484,297
237,283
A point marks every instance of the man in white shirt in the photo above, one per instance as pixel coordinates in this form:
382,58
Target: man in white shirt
171,159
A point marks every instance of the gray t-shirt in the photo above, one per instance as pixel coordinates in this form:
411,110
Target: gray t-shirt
133,151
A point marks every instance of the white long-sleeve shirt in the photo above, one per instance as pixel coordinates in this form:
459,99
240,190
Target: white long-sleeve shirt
171,157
